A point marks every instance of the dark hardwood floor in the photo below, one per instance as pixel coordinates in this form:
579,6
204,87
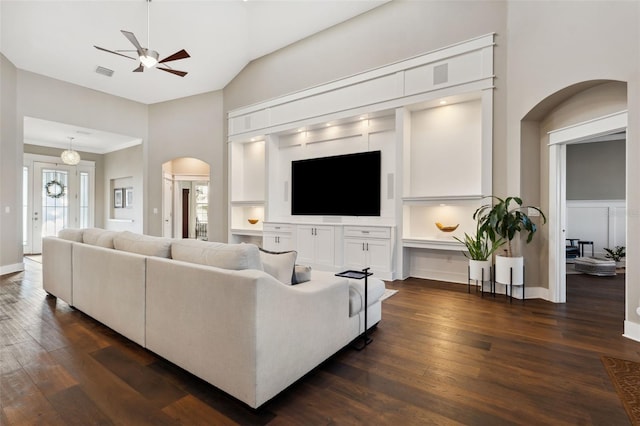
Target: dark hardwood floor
439,356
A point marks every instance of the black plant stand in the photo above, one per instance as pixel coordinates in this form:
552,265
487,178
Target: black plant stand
482,280
358,275
510,286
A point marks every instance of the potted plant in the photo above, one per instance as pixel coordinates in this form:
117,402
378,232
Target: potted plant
616,254
501,221
479,249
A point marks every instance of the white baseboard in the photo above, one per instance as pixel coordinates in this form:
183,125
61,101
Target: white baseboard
10,269
632,331
530,292
439,275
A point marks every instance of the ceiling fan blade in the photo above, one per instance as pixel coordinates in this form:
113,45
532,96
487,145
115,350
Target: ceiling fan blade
140,68
178,55
115,53
176,72
132,38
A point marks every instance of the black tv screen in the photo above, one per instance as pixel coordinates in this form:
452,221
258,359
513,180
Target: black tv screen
341,185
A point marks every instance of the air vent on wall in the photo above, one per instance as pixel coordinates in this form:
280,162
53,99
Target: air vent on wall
104,71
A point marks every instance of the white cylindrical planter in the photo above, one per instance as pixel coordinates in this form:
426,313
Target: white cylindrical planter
476,268
504,266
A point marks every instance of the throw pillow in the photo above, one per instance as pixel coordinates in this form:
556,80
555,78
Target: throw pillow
279,264
301,274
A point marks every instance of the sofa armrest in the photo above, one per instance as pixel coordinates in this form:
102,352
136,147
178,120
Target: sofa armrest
299,327
56,268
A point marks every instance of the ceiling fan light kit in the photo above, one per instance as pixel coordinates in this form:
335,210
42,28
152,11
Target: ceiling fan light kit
148,58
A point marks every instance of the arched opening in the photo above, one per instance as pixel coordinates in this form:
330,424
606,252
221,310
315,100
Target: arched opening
185,198
576,114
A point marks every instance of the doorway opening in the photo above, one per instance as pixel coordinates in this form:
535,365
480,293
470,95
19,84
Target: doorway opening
55,196
607,127
185,198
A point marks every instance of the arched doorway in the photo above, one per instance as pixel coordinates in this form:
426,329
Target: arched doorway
574,114
185,198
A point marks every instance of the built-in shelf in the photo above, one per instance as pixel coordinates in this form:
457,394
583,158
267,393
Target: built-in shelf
442,199
250,232
434,244
121,220
249,203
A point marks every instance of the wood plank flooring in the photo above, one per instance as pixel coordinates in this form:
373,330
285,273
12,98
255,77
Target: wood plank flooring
439,356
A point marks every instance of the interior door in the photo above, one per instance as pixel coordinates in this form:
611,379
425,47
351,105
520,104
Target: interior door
54,187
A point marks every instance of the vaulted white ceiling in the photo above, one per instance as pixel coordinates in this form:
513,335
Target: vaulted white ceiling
56,39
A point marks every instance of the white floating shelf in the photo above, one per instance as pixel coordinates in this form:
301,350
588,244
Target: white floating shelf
433,244
250,232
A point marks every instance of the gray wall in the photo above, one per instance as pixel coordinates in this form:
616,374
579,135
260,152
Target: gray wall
10,171
596,171
188,127
124,165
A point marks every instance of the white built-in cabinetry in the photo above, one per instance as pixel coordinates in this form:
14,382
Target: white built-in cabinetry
368,246
315,245
431,118
278,237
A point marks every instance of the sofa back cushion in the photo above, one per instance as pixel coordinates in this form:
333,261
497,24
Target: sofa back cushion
220,255
71,234
142,244
98,237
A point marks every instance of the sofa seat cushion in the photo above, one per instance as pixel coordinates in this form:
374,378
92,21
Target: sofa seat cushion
98,237
279,265
375,289
71,234
221,255
142,244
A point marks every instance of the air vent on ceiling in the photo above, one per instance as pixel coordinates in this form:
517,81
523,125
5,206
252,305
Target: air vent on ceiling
104,71
83,132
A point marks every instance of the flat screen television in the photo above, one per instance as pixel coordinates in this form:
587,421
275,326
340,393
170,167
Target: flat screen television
341,185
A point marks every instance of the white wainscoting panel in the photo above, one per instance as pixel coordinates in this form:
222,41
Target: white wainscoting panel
600,221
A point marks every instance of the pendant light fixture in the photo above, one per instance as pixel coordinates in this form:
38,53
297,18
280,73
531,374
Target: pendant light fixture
70,156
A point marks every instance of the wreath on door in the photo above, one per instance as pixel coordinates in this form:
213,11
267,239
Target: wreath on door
55,189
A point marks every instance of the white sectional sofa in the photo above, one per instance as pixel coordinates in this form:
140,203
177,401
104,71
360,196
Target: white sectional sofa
210,308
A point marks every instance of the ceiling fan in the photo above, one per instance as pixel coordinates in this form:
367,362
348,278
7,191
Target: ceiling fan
148,58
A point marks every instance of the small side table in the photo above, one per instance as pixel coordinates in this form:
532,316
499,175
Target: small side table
583,243
358,275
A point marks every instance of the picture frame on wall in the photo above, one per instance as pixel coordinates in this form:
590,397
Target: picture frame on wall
128,197
118,198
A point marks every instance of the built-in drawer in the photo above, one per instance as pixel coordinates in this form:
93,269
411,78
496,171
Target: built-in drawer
276,227
367,232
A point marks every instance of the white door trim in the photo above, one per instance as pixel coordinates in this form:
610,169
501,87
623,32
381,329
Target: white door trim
558,139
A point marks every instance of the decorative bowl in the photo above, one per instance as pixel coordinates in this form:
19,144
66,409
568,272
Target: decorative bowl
445,228
253,221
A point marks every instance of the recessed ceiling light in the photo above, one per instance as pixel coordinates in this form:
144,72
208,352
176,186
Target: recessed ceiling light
328,124
363,117
299,130
443,102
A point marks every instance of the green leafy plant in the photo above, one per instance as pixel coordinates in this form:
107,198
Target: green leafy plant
479,246
616,254
501,222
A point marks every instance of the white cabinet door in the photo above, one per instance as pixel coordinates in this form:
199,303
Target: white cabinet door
277,242
305,244
324,245
355,256
315,245
378,255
